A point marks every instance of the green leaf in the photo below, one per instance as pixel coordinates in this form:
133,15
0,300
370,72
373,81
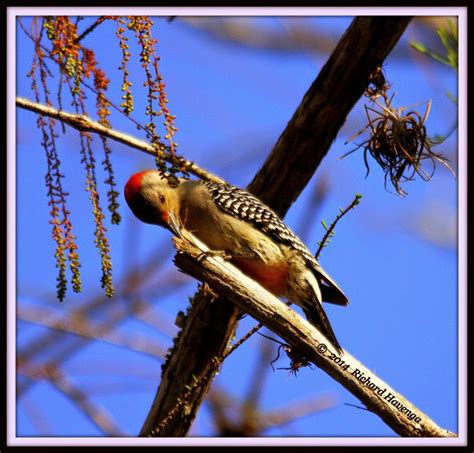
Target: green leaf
418,46
449,38
451,97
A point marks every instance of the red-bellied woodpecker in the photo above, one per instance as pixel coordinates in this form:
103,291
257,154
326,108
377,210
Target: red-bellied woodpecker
255,239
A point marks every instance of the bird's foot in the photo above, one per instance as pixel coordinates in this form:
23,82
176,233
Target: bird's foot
213,253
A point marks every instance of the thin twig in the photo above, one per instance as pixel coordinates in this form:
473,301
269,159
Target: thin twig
329,230
90,28
202,381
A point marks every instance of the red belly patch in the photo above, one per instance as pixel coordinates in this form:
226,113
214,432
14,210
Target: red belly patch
273,278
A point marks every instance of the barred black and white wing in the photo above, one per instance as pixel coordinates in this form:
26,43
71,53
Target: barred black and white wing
245,206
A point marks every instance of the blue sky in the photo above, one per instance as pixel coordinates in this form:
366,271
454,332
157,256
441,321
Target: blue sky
395,257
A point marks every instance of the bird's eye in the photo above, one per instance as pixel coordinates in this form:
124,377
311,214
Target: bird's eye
162,198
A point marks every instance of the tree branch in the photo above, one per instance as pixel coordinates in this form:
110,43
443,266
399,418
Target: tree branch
287,170
83,123
394,409
293,35
82,327
211,323
323,111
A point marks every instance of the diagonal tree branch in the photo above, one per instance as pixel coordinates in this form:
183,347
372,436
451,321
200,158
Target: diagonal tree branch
82,327
211,322
324,108
97,415
394,409
83,123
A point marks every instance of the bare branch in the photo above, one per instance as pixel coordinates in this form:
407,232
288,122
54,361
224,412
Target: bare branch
81,326
294,35
83,123
59,345
90,29
299,409
53,375
394,409
236,418
96,414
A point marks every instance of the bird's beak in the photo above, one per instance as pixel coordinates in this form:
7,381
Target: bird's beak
175,226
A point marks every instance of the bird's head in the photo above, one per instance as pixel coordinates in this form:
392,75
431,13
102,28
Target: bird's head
153,200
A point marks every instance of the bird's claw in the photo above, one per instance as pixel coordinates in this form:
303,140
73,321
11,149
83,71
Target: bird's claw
212,253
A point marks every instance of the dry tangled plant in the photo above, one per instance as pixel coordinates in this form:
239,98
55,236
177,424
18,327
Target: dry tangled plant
398,140
60,55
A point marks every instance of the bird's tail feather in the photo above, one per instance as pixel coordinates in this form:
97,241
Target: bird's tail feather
333,295
316,316
329,288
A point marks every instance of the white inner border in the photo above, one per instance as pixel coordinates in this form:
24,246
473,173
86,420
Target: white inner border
460,12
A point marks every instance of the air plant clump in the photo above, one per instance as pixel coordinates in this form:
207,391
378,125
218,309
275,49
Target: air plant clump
377,85
398,142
